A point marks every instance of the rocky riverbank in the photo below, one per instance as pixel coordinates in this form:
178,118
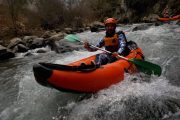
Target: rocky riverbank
50,38
55,40
51,33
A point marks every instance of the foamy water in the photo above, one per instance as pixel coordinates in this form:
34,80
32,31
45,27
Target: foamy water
138,97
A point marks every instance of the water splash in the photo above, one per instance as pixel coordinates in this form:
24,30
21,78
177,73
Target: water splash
134,100
138,97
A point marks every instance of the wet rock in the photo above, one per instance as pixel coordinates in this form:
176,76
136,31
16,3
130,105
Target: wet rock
33,42
57,36
150,18
29,39
22,48
64,46
68,30
37,43
14,42
41,51
48,34
5,53
87,28
79,30
52,44
53,41
142,26
2,49
58,30
97,26
28,54
158,23
94,29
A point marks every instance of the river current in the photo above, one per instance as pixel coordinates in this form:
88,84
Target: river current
138,97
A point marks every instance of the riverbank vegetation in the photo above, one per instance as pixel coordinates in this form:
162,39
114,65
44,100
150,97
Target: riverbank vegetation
34,17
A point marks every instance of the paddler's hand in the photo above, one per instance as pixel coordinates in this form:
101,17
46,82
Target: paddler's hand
86,45
115,54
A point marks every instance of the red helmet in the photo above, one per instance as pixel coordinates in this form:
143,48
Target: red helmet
110,21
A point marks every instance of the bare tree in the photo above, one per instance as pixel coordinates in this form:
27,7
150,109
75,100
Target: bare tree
15,6
51,12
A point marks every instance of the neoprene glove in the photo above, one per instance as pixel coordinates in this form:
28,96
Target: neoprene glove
115,54
86,45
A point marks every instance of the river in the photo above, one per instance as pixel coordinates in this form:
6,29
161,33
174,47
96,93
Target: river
138,97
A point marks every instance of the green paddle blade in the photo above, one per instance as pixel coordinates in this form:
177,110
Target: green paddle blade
146,67
72,38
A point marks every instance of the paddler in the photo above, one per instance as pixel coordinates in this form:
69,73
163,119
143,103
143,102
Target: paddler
113,41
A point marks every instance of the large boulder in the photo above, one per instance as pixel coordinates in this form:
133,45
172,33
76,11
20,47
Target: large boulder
52,44
17,45
97,26
20,48
37,43
57,36
68,30
29,39
52,41
14,42
41,51
48,34
144,26
33,42
150,18
64,46
5,53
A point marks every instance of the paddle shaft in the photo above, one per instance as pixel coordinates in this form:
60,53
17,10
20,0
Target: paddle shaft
104,50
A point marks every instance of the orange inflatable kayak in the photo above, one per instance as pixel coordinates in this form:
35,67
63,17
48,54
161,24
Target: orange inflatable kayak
71,79
177,17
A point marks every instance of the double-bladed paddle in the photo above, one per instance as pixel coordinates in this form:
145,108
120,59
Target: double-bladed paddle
142,65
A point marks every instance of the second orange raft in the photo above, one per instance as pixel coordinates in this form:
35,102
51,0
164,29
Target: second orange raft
176,17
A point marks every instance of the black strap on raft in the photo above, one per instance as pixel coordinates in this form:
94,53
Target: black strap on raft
86,68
